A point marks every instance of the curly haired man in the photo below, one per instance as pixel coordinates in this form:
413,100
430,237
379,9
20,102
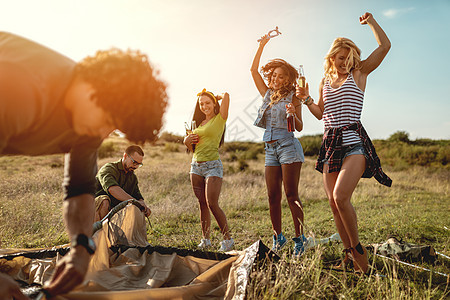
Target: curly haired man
50,104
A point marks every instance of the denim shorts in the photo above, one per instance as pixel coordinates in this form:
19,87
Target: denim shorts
208,168
283,152
357,148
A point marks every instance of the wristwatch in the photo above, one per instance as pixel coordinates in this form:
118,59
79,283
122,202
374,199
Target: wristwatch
85,241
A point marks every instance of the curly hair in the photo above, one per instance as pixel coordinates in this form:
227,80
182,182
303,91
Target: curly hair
353,60
289,87
199,116
127,87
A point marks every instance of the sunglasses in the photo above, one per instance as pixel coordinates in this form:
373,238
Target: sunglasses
135,162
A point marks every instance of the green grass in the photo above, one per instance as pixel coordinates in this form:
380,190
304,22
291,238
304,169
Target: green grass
416,208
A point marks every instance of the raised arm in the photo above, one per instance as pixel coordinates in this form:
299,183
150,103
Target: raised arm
257,78
225,105
377,56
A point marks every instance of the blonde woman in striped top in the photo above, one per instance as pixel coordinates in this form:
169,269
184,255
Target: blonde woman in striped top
347,154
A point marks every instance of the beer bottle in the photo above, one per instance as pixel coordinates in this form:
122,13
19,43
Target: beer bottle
290,121
193,127
301,77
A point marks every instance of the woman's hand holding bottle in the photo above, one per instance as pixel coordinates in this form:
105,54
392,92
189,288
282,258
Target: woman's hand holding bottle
290,112
290,109
302,92
192,138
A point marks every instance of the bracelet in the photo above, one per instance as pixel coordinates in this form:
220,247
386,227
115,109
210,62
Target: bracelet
306,100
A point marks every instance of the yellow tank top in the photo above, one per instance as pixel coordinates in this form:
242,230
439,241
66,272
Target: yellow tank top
209,135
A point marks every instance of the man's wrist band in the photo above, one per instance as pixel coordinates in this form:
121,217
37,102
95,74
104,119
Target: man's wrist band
85,241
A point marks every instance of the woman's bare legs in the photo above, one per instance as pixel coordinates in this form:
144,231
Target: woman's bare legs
213,187
273,177
339,187
329,181
199,186
207,192
291,178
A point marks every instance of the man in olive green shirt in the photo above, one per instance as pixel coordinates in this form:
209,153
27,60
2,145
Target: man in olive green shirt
116,182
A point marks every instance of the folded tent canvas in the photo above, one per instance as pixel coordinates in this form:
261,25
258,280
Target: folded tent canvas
125,266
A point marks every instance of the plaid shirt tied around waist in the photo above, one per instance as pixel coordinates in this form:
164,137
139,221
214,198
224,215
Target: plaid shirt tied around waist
331,151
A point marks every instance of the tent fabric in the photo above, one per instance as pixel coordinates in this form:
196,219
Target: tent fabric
401,250
126,266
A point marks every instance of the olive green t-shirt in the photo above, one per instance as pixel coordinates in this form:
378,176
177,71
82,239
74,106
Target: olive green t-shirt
113,174
210,135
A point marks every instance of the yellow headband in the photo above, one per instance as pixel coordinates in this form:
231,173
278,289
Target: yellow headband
204,91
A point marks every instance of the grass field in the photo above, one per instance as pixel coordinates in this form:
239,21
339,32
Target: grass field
416,208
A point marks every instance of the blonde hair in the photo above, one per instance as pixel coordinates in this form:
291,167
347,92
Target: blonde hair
353,60
289,87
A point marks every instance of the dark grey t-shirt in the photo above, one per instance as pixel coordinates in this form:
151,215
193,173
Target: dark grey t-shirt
33,118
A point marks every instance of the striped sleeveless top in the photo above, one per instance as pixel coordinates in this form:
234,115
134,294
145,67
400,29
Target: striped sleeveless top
343,106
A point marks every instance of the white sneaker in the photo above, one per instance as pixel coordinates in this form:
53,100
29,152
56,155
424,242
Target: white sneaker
226,245
205,243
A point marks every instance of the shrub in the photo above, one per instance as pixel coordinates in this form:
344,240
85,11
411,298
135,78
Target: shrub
399,136
243,150
171,138
311,144
443,155
398,153
107,149
242,165
239,146
171,147
232,157
233,168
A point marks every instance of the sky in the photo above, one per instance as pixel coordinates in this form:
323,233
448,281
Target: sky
210,44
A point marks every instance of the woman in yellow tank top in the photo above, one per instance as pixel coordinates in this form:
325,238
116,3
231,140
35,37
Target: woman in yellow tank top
206,167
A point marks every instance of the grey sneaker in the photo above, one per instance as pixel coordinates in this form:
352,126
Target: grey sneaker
300,245
226,245
278,242
205,243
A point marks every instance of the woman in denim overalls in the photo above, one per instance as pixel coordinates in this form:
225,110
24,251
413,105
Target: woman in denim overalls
284,153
